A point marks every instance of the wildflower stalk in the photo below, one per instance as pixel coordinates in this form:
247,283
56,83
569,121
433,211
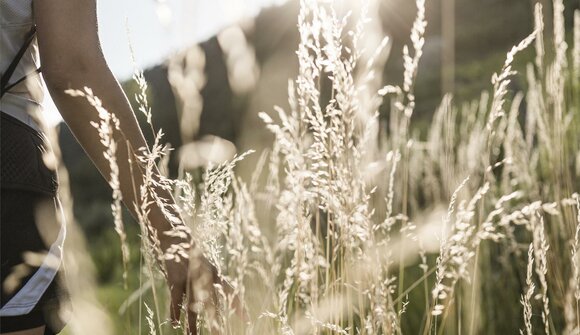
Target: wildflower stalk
106,127
526,298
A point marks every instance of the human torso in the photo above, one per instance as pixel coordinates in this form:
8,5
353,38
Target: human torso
27,175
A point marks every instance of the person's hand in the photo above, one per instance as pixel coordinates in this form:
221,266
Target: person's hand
178,267
177,281
192,282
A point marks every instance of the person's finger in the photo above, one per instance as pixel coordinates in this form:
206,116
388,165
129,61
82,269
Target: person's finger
191,321
177,297
191,315
240,309
200,289
236,303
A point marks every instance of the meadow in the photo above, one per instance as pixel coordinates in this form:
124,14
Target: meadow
357,222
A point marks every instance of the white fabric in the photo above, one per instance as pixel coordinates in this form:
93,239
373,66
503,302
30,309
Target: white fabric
22,109
16,20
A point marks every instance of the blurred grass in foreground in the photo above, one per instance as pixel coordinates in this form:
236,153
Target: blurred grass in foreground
355,223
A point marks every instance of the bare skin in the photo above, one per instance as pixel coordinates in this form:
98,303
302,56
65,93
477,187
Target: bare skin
72,58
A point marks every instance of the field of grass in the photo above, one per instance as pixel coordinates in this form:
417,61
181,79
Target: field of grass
358,223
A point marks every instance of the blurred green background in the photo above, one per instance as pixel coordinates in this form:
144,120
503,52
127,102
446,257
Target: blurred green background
484,31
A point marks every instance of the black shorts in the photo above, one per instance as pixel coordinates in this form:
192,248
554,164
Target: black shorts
28,225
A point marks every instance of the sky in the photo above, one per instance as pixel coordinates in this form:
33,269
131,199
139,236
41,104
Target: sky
158,28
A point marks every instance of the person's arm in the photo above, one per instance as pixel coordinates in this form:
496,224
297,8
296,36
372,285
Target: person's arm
72,58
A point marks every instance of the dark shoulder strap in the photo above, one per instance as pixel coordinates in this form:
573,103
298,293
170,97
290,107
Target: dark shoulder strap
10,70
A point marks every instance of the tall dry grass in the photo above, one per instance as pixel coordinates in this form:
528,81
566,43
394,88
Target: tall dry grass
474,230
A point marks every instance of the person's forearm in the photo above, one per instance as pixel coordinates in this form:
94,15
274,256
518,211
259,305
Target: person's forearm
78,114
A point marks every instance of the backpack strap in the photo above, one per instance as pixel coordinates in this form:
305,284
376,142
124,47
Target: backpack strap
12,67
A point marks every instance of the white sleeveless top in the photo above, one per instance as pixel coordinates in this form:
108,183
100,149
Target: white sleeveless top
24,100
24,103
